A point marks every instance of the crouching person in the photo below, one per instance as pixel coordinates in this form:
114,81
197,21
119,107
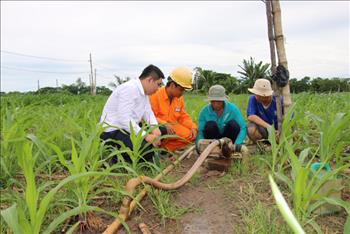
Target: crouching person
261,111
127,106
220,118
169,108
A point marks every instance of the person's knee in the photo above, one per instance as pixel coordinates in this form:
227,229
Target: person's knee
253,133
234,126
211,126
211,130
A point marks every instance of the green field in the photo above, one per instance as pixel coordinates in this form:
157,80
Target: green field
53,166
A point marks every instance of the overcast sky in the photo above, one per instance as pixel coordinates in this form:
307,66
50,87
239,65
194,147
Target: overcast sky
124,37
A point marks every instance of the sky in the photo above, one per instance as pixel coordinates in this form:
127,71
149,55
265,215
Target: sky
49,42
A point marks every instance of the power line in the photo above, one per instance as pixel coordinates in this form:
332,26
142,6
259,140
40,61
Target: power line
106,67
40,71
41,57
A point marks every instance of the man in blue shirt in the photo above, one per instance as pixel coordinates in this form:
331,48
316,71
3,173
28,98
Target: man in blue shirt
261,111
220,118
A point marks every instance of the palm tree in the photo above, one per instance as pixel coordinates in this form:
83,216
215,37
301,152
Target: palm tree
204,78
118,81
252,71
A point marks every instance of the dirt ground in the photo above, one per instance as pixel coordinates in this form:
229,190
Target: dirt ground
215,213
218,203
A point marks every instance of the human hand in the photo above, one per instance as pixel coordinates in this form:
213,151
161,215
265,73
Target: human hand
151,138
170,130
193,134
156,132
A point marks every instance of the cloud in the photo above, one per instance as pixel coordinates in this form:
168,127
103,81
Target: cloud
124,37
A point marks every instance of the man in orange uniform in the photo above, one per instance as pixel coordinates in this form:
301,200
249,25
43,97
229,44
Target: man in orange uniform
168,107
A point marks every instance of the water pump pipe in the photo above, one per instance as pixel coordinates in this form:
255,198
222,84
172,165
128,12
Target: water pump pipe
127,205
123,214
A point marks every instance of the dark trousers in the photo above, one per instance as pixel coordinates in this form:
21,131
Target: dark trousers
231,130
125,138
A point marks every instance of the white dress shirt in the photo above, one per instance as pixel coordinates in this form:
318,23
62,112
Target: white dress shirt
127,104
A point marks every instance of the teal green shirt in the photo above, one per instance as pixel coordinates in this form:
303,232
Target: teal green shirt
230,112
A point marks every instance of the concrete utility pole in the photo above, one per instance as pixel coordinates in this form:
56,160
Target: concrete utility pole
94,85
91,78
38,85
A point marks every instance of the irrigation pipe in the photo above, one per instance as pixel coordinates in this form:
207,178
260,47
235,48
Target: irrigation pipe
123,214
128,206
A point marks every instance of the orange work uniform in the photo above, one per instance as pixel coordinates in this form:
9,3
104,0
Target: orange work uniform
172,113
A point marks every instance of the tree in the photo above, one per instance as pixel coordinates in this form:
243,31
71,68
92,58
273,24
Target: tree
251,72
118,81
302,85
204,79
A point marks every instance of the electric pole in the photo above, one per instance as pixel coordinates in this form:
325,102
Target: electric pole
91,77
94,90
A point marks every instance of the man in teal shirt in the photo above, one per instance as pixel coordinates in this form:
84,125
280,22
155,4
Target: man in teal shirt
220,118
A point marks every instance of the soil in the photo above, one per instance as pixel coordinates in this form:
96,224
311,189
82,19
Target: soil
217,206
215,213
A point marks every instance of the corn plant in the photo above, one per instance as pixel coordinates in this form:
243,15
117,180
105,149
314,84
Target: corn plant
87,159
284,208
139,151
332,130
279,159
27,214
304,190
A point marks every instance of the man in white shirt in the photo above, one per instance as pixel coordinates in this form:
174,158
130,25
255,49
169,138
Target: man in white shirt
129,105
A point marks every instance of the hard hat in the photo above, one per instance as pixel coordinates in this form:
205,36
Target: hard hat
182,76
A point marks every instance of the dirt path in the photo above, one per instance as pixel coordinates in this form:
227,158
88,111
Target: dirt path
213,211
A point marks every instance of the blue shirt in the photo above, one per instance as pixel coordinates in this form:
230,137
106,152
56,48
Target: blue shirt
269,114
230,112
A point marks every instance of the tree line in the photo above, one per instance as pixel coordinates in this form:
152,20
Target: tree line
250,71
203,79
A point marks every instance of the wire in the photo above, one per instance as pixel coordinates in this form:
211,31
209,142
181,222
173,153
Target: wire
40,71
41,57
104,67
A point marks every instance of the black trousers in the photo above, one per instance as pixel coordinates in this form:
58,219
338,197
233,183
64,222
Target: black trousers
125,138
231,130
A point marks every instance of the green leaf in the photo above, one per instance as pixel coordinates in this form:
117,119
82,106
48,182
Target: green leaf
284,208
11,218
338,202
347,225
315,226
72,228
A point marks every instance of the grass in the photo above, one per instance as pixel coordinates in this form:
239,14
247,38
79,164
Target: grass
162,202
257,218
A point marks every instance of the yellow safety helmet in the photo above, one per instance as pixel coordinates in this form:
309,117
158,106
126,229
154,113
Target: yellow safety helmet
182,76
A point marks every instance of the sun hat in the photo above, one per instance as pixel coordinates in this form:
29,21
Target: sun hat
262,87
216,93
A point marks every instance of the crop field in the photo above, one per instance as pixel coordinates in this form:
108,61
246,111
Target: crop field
56,178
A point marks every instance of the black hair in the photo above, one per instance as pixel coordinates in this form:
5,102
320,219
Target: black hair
153,71
171,81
